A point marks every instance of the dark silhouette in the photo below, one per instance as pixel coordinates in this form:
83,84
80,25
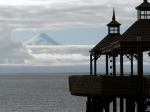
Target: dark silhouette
133,90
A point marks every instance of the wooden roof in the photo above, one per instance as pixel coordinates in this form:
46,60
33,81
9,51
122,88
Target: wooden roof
141,28
110,38
144,6
130,38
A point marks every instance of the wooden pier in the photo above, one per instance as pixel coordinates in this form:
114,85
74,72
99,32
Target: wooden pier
101,91
133,91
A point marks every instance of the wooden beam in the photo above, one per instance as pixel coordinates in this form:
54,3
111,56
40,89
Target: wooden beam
107,64
121,104
140,63
95,65
131,64
91,65
121,65
114,105
114,65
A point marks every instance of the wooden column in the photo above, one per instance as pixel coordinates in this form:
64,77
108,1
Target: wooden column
88,104
91,65
140,63
121,104
121,64
107,64
114,65
114,74
114,105
131,64
95,65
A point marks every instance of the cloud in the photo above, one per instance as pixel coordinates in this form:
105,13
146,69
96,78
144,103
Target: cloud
69,13
60,55
11,52
56,14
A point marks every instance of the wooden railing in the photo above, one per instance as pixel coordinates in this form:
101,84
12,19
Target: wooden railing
85,85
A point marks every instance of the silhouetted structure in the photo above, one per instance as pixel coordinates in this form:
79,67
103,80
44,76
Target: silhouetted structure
131,91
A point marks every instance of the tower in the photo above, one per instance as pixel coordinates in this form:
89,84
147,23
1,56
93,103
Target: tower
143,10
114,26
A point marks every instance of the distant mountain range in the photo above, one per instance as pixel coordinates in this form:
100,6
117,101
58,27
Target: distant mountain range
41,39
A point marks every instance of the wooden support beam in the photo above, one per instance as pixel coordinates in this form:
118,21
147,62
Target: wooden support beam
140,63
121,104
91,65
121,65
88,104
130,104
107,65
114,105
131,64
140,105
95,65
114,65
107,108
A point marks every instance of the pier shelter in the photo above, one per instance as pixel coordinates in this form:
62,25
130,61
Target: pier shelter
126,93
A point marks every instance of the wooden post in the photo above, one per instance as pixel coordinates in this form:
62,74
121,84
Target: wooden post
121,65
106,64
121,104
114,65
114,105
88,104
95,65
91,65
140,63
131,64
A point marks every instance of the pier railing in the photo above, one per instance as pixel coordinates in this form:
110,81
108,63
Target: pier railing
86,85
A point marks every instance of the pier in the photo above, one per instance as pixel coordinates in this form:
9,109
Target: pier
132,91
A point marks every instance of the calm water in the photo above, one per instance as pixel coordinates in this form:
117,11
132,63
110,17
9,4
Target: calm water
37,93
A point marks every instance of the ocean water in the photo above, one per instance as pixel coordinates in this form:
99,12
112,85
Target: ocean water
38,93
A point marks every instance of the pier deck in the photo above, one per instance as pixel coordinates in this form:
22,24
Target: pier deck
86,85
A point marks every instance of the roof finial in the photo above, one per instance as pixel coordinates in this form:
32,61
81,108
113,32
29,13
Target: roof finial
145,0
114,17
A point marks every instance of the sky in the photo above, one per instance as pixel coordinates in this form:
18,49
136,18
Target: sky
76,24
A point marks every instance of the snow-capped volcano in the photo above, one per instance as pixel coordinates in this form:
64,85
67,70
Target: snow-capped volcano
41,39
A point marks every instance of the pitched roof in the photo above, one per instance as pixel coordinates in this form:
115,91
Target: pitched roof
144,6
141,28
105,42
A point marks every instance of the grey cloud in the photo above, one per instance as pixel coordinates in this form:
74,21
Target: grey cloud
11,52
85,13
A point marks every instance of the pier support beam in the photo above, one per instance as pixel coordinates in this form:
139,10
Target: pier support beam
121,104
114,105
